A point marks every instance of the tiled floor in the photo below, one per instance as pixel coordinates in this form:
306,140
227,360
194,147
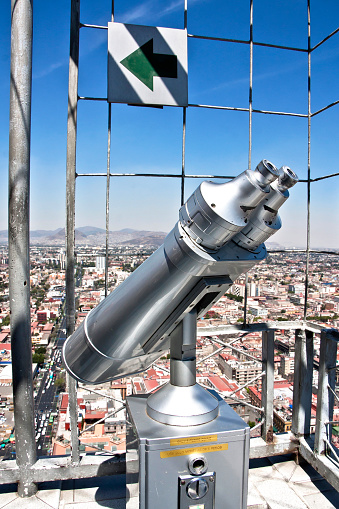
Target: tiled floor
279,483
274,483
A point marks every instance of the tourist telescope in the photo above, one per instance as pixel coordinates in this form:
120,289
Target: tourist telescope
186,447
220,233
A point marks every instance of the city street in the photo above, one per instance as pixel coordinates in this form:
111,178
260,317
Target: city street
47,397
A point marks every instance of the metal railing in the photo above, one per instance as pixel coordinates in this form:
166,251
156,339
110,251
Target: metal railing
28,471
315,448
302,386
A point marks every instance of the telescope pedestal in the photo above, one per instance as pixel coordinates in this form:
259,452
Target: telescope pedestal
183,402
186,448
175,467
182,406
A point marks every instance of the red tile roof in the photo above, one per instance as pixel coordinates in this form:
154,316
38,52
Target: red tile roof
64,401
5,346
150,384
94,416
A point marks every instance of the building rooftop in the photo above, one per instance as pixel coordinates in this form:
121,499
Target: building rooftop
275,483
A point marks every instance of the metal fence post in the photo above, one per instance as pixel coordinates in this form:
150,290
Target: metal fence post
309,116
302,385
70,210
107,194
245,299
325,400
267,392
18,239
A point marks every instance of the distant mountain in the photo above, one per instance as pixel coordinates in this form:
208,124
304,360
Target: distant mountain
34,234
44,233
90,230
152,239
92,236
127,230
60,235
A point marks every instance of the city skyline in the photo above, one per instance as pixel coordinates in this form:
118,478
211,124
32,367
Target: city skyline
276,295
146,140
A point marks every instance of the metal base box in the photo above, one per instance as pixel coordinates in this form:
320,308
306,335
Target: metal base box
176,467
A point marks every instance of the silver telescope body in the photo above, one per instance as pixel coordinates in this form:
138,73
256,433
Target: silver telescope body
194,267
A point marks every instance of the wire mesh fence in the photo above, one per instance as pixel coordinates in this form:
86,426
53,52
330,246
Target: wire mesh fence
184,176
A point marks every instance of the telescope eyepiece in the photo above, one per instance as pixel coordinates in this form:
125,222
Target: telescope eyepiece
266,172
287,178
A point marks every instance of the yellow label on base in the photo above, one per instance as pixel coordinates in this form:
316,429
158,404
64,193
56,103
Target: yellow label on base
194,440
193,450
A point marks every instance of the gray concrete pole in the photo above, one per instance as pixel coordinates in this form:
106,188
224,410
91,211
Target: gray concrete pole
325,398
71,164
267,391
18,239
70,211
302,385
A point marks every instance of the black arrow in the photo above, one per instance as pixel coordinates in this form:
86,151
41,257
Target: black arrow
145,64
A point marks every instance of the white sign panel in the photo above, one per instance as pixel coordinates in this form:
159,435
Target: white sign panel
147,65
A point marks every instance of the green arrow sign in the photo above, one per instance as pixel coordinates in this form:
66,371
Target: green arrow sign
145,64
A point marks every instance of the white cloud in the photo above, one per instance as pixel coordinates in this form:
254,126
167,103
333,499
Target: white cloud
50,68
139,12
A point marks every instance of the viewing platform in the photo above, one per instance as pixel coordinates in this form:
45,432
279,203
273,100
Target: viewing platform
275,482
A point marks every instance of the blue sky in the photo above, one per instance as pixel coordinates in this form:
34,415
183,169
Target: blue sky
150,140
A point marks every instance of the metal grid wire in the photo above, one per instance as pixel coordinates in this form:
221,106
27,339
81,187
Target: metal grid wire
72,173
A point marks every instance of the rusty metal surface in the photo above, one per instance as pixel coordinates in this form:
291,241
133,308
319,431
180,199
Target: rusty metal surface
281,444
